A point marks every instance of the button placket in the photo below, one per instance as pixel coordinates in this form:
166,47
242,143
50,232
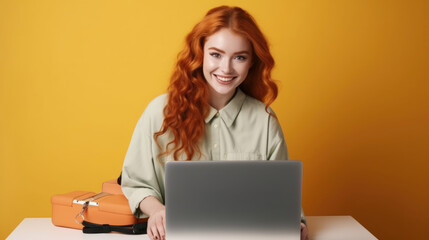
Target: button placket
216,132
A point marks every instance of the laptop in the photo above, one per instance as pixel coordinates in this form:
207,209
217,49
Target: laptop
246,200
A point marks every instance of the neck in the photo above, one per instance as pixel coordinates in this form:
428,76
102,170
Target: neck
219,101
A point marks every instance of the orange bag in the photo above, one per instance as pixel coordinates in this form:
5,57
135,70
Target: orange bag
111,187
109,207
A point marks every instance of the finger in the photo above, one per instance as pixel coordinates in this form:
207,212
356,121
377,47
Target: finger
150,224
163,220
164,223
305,236
304,232
155,232
160,226
149,233
165,228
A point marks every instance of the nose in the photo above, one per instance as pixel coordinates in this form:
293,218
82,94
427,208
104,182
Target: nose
226,66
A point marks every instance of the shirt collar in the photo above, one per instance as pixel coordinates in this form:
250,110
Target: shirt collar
230,112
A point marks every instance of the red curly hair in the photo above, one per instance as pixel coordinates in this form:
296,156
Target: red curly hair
188,94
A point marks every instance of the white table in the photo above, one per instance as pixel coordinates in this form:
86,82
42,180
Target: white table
321,228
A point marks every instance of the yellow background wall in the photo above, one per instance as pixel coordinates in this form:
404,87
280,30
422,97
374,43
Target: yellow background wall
76,75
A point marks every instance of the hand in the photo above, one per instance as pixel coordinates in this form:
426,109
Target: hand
156,225
153,208
304,232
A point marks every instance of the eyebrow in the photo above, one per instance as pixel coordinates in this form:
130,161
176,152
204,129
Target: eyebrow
221,51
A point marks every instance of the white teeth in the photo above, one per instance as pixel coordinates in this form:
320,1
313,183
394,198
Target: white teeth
224,79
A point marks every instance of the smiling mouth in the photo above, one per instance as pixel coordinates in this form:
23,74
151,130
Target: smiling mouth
224,79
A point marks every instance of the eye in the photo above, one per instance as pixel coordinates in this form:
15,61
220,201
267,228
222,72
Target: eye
215,54
241,58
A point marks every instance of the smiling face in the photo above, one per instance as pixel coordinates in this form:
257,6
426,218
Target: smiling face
227,59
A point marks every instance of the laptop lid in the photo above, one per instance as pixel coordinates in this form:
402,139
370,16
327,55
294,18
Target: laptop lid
233,200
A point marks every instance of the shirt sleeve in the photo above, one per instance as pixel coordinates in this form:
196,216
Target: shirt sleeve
139,176
278,149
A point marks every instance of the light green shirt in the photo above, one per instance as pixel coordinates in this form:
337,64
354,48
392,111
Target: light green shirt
242,130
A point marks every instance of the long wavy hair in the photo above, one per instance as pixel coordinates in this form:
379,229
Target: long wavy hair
188,93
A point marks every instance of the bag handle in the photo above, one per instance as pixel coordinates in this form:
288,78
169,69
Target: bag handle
85,203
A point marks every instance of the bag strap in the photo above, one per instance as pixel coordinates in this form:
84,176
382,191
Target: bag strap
138,228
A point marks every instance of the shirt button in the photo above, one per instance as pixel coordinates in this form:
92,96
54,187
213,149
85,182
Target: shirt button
217,114
215,125
215,145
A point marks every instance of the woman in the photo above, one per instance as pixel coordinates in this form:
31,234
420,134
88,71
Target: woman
216,108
